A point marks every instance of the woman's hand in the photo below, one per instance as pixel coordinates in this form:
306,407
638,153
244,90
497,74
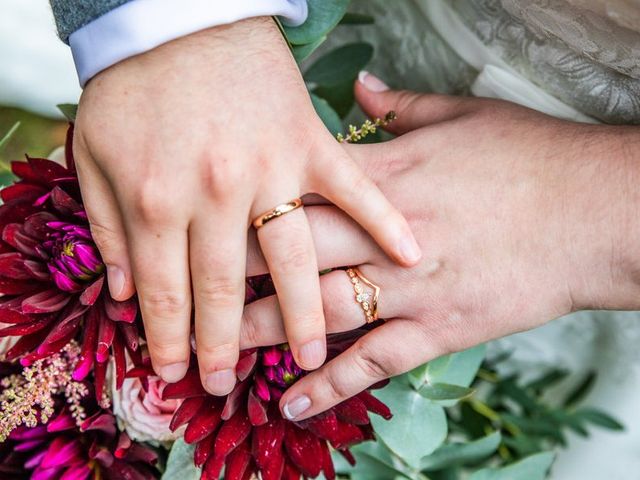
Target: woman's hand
522,218
177,151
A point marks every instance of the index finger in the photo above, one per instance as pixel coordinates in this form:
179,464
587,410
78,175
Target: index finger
374,357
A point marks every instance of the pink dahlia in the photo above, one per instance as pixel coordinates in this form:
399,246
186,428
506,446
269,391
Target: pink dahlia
61,450
245,431
52,276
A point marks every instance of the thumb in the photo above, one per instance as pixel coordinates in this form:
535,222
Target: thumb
413,110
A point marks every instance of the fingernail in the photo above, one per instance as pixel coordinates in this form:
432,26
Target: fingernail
296,407
312,354
172,373
221,382
371,82
410,250
116,279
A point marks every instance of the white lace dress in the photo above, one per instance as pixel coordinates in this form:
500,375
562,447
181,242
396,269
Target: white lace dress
575,59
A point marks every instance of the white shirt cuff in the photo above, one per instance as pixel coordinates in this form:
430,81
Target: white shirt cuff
140,25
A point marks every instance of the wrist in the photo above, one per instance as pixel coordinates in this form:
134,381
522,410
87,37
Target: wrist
605,248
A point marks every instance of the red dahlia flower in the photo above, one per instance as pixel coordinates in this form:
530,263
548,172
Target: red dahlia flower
245,431
60,450
52,276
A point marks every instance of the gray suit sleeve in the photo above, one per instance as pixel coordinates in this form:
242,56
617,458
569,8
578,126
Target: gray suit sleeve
71,15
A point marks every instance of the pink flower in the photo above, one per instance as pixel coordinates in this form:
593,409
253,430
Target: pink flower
145,416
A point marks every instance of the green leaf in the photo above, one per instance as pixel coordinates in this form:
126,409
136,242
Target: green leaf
547,380
180,463
418,427
323,17
456,369
340,65
534,467
351,18
445,391
301,52
327,114
598,417
373,460
458,454
581,391
9,134
340,97
69,110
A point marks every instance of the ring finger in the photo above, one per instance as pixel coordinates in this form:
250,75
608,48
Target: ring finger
288,249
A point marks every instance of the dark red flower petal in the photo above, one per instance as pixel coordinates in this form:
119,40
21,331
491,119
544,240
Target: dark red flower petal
304,450
374,405
204,422
185,412
203,450
352,410
189,386
232,433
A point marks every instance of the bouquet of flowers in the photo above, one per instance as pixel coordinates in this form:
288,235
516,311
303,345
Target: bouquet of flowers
79,399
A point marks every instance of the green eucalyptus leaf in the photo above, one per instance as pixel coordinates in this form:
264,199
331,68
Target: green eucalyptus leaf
339,65
373,461
9,134
323,17
180,463
302,52
69,110
458,454
597,417
327,114
534,467
340,97
419,426
352,18
455,369
445,391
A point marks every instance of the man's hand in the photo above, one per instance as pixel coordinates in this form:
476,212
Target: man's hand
522,218
177,150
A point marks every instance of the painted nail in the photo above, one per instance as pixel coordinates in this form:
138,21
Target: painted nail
296,407
410,250
371,82
221,382
173,372
116,279
312,354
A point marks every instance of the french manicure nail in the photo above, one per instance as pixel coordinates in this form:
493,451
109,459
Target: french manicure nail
371,82
410,250
296,407
312,354
221,382
116,279
173,372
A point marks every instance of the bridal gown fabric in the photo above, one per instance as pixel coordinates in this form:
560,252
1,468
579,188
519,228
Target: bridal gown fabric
575,59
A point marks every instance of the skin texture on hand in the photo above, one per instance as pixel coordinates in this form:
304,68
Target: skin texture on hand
521,217
177,150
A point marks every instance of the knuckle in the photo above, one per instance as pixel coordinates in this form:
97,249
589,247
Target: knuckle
164,304
373,364
338,388
218,353
150,202
299,257
249,331
221,175
106,239
165,350
220,292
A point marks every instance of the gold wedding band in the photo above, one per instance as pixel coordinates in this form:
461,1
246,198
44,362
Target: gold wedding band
276,212
368,301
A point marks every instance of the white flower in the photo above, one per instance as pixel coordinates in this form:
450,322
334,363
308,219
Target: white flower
144,415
